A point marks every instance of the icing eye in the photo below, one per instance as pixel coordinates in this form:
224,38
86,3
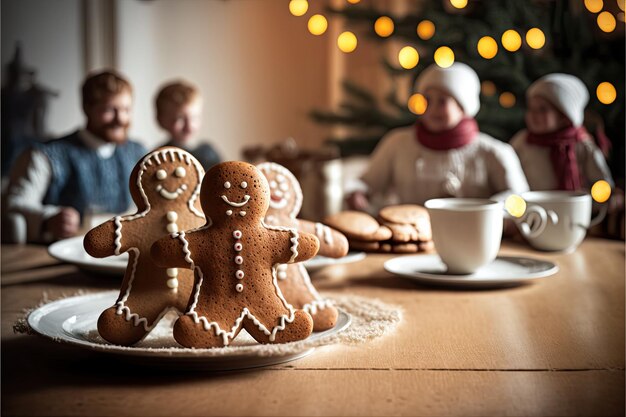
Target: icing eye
226,184
161,174
180,172
244,184
284,186
280,178
273,184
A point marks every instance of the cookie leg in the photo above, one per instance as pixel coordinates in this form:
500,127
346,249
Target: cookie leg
271,317
125,328
200,332
324,317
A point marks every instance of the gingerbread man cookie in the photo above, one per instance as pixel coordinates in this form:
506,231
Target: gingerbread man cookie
293,280
165,186
234,258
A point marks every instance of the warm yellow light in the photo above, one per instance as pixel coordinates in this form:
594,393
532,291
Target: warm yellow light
298,7
535,38
459,4
488,88
417,104
601,191
606,22
606,93
507,100
408,57
317,24
487,47
515,205
353,1
383,26
594,6
621,4
511,40
426,29
444,57
347,42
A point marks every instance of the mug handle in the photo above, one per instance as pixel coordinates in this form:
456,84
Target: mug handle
604,208
536,212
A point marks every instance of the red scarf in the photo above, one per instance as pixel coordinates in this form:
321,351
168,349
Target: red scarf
562,144
460,135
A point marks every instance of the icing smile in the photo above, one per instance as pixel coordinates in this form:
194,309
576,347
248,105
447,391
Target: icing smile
235,204
171,195
277,202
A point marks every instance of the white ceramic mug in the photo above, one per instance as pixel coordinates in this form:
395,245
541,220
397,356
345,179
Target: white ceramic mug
466,231
557,220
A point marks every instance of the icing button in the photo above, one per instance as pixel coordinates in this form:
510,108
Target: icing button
237,234
172,216
238,260
172,272
172,283
238,247
172,227
239,287
239,274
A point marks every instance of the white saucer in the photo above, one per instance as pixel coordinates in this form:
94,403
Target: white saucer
74,321
71,251
503,271
319,261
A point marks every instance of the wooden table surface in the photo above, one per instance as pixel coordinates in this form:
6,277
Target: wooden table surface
555,347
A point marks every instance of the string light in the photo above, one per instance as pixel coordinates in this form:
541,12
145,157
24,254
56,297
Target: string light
606,93
507,100
511,40
317,24
488,88
459,4
426,29
601,191
535,38
444,57
384,26
347,42
515,205
298,7
487,47
606,22
408,57
594,6
417,104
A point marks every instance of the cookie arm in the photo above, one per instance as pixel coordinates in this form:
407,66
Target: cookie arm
172,251
332,242
99,242
308,245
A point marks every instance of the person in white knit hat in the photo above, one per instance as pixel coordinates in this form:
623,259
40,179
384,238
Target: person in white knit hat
555,150
443,154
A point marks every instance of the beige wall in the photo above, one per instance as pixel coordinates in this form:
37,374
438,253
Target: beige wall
259,69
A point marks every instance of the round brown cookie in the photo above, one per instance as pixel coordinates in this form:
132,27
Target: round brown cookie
402,232
354,224
408,214
165,186
293,280
426,246
234,260
382,233
405,248
364,245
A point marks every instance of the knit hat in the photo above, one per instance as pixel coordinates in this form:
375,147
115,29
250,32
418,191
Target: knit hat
566,92
459,80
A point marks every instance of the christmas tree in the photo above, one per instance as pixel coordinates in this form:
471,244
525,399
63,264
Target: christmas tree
510,43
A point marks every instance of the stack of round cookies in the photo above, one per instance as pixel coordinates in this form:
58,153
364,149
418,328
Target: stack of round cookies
398,229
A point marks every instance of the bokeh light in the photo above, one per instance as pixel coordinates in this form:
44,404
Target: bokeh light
298,7
507,100
444,57
425,29
417,104
511,40
601,191
347,42
621,4
535,38
383,26
606,22
606,93
488,88
353,1
487,47
594,6
515,205
408,57
317,24
459,4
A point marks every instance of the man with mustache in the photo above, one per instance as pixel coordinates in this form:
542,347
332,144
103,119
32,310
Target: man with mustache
54,185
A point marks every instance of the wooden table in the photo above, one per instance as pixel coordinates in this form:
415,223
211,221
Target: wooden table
552,348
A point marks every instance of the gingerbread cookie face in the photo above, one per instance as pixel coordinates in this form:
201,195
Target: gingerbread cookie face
165,185
235,259
285,191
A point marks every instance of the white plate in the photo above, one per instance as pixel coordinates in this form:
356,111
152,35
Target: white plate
74,321
319,261
71,251
503,271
